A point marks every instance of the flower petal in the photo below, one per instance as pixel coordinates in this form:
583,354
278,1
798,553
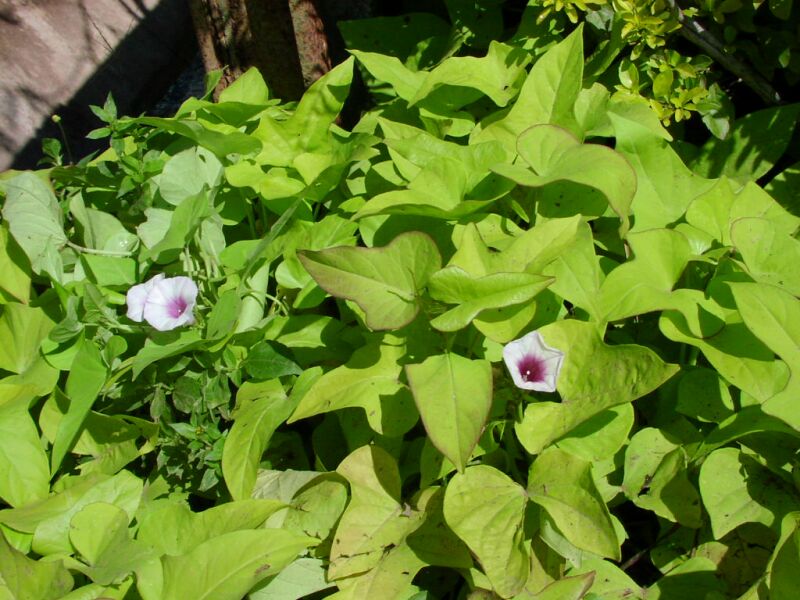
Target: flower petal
533,365
137,296
171,303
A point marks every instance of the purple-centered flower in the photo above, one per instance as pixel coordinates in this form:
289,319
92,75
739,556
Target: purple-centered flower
165,303
533,364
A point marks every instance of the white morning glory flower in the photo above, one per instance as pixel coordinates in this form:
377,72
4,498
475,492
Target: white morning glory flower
533,364
165,303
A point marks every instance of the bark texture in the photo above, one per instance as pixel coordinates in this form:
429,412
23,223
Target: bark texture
285,39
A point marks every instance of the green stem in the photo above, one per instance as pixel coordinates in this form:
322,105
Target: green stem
253,302
98,252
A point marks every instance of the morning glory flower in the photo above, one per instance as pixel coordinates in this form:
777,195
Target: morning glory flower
533,364
165,303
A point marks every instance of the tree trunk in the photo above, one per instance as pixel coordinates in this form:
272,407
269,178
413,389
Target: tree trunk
285,39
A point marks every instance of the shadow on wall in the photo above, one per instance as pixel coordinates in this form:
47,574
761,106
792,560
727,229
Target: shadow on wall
137,71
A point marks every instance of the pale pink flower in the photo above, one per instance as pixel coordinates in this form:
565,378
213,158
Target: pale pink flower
165,303
533,364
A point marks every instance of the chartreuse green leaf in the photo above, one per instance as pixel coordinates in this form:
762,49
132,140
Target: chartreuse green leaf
751,419
185,220
783,188
99,532
754,145
16,283
36,222
577,272
610,582
48,519
729,346
547,96
486,509
301,578
228,566
23,577
704,395
770,256
644,284
400,36
563,486
186,174
453,395
24,328
385,282
307,130
493,75
554,154
716,210
320,106
594,377
601,436
24,468
697,577
369,380
86,378
737,489
784,572
773,315
389,69
375,521
220,143
568,588
260,409
437,190
100,229
315,509
432,544
170,527
656,478
157,349
665,187
453,285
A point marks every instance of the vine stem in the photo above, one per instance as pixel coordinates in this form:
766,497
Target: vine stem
694,32
85,250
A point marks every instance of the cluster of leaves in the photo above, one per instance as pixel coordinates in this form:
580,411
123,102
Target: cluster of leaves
678,79
338,421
